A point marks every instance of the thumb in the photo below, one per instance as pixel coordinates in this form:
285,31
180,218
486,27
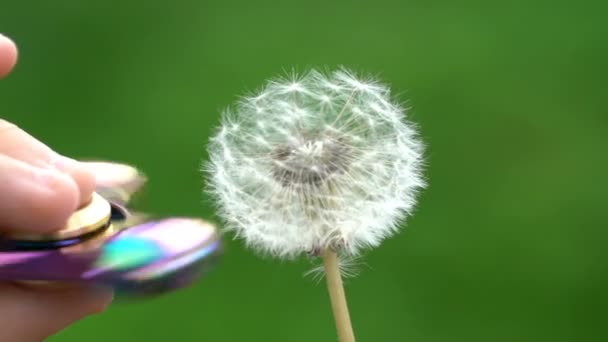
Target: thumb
31,313
8,55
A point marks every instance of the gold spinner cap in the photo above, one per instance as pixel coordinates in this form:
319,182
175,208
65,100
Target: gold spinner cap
92,217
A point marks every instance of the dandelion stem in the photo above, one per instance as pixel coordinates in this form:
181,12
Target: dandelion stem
337,296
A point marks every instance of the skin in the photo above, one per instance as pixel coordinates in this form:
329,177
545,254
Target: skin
39,190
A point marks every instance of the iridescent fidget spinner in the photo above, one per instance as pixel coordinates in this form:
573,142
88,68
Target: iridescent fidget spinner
104,243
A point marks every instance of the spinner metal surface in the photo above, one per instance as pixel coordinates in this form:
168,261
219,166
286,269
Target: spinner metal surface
106,244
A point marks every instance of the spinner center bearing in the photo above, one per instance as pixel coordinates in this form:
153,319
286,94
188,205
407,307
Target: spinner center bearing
85,223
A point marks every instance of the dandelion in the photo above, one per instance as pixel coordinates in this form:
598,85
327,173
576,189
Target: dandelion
318,164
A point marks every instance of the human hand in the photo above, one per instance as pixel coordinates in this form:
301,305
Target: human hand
39,190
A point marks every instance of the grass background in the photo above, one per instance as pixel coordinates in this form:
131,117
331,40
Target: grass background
509,242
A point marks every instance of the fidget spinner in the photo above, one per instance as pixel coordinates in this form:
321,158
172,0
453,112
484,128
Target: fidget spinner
104,243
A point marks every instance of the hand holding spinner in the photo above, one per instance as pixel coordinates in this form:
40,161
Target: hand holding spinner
105,244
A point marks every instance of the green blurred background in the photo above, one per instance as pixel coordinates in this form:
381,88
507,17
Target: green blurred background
508,243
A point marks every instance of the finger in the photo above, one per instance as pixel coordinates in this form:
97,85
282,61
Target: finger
16,143
114,174
34,199
116,181
8,55
35,313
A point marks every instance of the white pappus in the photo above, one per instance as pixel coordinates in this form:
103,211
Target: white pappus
313,162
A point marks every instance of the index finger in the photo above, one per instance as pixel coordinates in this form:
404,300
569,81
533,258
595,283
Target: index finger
8,55
32,199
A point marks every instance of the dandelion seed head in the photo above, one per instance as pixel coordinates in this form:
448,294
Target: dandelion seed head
314,162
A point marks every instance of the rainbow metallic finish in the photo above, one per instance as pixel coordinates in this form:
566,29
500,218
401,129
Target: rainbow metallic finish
136,257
